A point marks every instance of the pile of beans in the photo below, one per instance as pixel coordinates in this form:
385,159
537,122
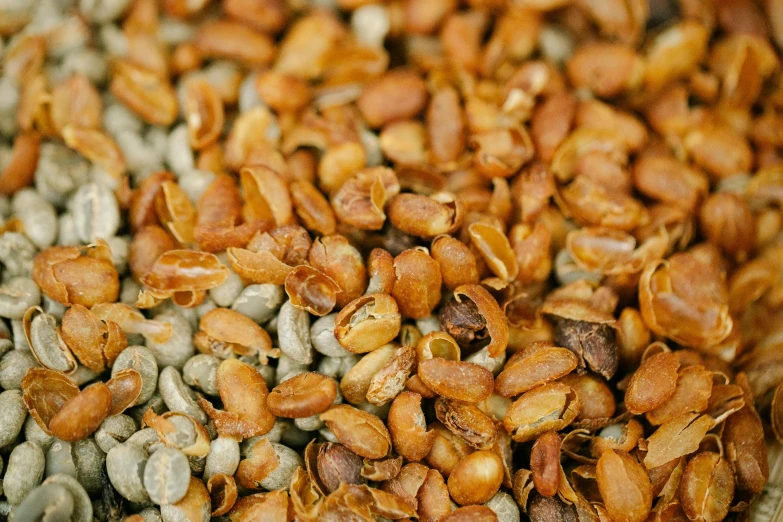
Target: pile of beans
356,260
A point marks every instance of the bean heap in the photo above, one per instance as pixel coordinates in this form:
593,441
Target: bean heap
356,260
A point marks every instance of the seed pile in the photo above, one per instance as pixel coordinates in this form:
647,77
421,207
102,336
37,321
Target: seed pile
355,260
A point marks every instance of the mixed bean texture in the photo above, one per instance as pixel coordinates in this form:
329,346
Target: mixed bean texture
356,260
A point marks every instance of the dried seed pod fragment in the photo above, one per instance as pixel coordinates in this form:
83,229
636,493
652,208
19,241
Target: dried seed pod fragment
380,470
653,383
132,321
460,380
223,493
476,478
180,431
367,323
743,440
266,196
417,283
550,407
183,272
203,110
728,222
234,41
457,262
361,432
73,275
142,209
675,438
694,388
425,216
483,319
408,427
175,211
218,223
243,392
19,170
390,379
337,464
398,95
259,463
500,153
495,249
356,381
467,421
45,392
144,92
596,397
361,199
607,69
95,341
224,332
535,365
545,463
674,306
302,396
125,387
75,101
587,332
707,487
624,486
622,437
311,290
674,53
336,257
82,414
312,208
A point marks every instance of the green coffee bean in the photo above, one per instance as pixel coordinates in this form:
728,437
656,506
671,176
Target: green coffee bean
177,395
201,372
324,341
37,215
24,472
150,514
34,433
13,366
60,171
48,502
46,344
259,302
223,457
95,212
225,293
114,430
60,459
280,477
287,366
337,367
482,358
82,506
293,333
179,348
504,506
89,463
17,295
142,360
312,423
167,476
12,416
125,466
145,439
16,254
